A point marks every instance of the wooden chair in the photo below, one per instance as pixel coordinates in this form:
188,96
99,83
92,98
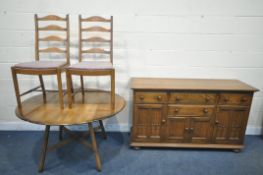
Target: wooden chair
41,68
93,68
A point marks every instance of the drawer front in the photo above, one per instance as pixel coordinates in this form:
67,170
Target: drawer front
150,97
235,99
192,98
190,110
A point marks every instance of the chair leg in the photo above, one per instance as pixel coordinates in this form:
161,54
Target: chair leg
60,137
113,88
43,88
69,88
94,147
82,86
60,91
44,149
16,86
103,133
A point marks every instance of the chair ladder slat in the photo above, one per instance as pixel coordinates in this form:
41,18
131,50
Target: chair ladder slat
52,38
52,50
96,50
95,29
95,39
51,18
95,19
52,28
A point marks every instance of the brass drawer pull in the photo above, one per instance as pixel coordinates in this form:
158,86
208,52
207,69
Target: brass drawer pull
186,129
176,110
177,98
244,99
207,98
226,99
205,110
141,97
163,120
159,98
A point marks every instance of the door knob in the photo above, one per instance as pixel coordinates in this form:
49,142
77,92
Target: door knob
207,98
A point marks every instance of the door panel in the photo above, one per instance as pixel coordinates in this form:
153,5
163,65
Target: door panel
147,122
200,129
176,130
230,124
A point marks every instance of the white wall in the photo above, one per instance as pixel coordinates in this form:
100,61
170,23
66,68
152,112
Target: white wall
152,38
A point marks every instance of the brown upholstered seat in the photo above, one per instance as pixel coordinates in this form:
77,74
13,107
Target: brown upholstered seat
41,65
92,65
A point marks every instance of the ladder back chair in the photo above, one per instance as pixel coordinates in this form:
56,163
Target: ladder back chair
48,33
93,68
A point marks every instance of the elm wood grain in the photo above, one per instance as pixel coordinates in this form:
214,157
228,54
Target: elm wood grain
167,115
48,69
190,84
192,98
137,145
84,70
94,107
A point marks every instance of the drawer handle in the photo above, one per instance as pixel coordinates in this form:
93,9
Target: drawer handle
207,98
163,120
176,110
205,110
226,99
191,129
141,97
186,129
244,99
159,98
177,98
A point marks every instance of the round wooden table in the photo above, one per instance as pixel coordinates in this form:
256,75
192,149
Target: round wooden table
94,106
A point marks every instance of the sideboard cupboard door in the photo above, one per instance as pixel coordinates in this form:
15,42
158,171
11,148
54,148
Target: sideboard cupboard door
188,130
177,129
200,130
230,123
147,123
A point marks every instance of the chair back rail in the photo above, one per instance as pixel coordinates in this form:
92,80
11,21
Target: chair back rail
51,28
95,28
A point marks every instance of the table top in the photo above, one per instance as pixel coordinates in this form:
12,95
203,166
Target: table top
96,106
190,84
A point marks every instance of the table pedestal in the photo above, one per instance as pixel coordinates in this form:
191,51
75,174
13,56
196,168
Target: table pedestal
73,137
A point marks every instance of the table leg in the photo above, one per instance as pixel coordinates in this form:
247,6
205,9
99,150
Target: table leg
44,149
103,133
60,132
94,147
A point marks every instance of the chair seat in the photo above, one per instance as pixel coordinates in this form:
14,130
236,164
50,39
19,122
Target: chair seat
92,65
40,65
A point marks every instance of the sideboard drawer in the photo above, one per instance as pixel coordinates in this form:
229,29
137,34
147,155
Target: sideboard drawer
235,99
192,98
150,97
190,110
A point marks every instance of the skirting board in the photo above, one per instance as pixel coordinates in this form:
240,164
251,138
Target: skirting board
24,126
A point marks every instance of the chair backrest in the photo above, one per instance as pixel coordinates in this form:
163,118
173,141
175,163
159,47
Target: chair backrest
46,32
95,28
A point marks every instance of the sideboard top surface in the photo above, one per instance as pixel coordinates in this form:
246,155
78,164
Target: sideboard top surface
190,84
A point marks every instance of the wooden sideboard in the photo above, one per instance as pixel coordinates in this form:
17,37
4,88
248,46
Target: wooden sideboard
190,113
